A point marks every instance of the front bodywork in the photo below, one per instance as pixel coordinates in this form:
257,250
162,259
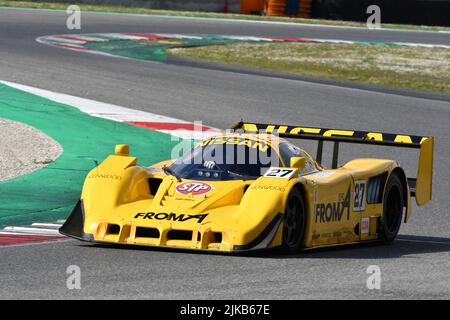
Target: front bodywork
118,205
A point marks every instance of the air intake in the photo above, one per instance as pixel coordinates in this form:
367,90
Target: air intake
113,229
154,184
147,233
179,235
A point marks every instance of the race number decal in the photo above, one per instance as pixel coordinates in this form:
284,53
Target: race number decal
279,173
359,196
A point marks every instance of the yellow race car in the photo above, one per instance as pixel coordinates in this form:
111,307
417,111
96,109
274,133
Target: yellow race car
251,189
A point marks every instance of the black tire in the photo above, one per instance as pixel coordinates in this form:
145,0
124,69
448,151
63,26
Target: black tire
294,222
393,204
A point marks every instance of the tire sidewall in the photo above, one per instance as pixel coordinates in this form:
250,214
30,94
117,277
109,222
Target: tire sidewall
294,248
393,182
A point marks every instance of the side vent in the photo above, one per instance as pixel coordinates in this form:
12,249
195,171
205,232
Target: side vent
154,184
376,188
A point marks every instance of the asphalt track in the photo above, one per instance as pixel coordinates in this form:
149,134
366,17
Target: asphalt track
415,266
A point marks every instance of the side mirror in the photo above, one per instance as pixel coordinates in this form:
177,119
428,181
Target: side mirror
298,163
122,150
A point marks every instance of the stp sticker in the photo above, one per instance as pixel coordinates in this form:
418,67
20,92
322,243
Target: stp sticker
195,188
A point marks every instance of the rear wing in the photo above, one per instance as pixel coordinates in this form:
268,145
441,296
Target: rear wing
421,186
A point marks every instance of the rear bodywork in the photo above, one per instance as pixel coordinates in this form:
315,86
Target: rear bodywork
125,203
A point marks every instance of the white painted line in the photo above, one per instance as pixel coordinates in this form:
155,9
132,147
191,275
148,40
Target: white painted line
31,231
46,225
95,108
334,41
56,38
248,38
124,36
178,36
88,37
422,45
11,233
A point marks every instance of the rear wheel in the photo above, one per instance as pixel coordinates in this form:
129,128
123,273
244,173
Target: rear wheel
393,209
294,222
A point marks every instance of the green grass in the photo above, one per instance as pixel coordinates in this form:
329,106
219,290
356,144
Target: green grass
425,69
126,9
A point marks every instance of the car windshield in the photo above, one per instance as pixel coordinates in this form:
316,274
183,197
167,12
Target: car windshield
226,158
288,150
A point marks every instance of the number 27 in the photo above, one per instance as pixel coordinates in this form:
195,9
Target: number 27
279,172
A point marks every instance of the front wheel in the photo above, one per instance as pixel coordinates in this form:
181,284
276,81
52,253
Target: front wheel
393,209
294,222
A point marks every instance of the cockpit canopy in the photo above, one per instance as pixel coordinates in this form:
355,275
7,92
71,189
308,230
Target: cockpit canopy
236,157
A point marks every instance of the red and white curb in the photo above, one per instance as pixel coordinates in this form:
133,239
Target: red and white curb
35,233
175,127
78,41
